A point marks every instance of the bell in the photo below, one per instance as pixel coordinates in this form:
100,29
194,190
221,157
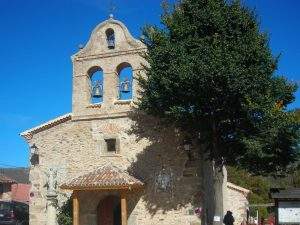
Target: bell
125,86
97,91
111,43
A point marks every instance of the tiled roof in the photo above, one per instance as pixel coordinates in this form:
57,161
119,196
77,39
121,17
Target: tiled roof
51,123
106,177
6,180
238,188
19,175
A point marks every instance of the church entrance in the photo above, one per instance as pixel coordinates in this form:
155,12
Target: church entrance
109,211
109,181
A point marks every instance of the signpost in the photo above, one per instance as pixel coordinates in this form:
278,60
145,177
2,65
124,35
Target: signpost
287,205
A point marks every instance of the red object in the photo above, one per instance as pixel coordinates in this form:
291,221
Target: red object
271,220
20,192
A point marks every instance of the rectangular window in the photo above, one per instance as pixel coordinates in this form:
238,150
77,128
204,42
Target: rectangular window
111,145
1,188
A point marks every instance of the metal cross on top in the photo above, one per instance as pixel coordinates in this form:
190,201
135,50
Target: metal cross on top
112,9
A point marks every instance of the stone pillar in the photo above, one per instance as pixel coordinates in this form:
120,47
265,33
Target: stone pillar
124,208
214,184
51,209
110,88
220,186
75,208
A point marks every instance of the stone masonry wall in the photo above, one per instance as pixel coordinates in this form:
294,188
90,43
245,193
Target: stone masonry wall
237,203
95,54
76,147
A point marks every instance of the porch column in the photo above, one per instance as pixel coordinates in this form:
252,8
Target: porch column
75,208
124,208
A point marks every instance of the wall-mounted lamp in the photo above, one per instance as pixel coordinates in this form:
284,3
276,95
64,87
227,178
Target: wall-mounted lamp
34,158
33,149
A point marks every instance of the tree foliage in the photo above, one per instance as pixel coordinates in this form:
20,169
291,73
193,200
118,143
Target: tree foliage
211,72
297,112
64,216
258,185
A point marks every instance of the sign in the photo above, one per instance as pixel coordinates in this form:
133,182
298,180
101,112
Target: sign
289,212
217,218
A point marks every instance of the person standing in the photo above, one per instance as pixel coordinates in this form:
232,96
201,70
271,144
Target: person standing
228,218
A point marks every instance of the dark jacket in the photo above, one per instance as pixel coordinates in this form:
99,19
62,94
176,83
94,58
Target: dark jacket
228,218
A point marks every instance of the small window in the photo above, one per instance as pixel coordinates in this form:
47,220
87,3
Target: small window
111,145
110,38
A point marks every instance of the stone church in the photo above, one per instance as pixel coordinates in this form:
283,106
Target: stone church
118,165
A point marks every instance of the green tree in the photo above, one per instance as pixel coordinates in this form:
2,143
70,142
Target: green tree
297,112
293,180
211,72
258,185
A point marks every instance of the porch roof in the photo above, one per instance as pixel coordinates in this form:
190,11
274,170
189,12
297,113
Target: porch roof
107,177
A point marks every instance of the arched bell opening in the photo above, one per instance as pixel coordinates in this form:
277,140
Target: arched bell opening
125,74
96,85
110,38
109,211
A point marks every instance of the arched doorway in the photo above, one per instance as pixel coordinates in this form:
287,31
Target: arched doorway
109,211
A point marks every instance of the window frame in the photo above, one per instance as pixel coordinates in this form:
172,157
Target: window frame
103,148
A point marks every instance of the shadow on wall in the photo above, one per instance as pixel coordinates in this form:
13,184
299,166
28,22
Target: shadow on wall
164,152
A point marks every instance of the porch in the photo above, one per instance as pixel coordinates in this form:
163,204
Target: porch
104,192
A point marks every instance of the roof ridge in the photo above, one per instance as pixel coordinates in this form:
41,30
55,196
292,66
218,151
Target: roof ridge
50,123
238,188
106,176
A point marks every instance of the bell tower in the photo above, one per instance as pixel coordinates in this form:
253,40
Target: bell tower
104,72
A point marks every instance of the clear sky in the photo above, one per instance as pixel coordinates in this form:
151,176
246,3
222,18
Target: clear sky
37,38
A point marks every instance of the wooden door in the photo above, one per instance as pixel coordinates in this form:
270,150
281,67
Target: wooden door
105,212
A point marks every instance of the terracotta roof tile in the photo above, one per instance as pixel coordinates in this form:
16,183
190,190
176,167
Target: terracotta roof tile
61,119
106,177
19,175
238,188
5,179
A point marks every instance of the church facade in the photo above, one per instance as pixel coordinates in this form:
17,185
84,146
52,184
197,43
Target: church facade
118,165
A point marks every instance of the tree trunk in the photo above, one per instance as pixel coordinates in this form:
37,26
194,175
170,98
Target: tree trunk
219,178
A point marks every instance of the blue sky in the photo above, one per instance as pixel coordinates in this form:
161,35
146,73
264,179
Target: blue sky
38,37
